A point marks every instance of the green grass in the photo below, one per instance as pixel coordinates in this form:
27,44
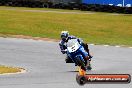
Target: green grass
98,28
4,69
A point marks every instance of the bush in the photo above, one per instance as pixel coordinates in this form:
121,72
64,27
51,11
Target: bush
70,5
106,8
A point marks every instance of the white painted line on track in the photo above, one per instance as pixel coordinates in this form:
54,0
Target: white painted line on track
129,47
91,44
117,46
40,40
106,45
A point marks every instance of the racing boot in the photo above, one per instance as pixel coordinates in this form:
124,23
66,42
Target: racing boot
88,65
90,56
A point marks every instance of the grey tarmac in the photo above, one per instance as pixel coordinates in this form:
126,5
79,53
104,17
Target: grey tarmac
46,68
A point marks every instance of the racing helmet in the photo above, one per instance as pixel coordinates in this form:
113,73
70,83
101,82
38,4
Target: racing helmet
64,35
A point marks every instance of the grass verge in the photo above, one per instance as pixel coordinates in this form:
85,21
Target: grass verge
98,28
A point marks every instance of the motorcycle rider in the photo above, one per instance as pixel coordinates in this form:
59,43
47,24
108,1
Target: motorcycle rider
64,39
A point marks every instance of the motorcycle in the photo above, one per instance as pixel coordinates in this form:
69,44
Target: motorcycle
74,53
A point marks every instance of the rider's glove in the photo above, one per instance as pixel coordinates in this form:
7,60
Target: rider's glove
89,59
64,51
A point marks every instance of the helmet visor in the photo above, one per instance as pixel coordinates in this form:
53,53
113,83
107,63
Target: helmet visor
63,37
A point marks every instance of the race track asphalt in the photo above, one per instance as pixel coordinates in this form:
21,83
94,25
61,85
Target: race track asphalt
46,68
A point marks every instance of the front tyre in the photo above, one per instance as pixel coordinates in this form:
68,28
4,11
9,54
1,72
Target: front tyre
81,80
68,60
81,63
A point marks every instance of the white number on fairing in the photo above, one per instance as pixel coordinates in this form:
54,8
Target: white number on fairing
73,45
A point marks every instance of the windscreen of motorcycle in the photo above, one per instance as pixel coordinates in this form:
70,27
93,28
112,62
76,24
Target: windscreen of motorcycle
73,45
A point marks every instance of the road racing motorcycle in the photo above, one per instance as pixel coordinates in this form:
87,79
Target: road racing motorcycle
73,51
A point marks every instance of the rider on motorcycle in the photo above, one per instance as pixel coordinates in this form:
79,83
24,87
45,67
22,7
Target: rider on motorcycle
64,39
